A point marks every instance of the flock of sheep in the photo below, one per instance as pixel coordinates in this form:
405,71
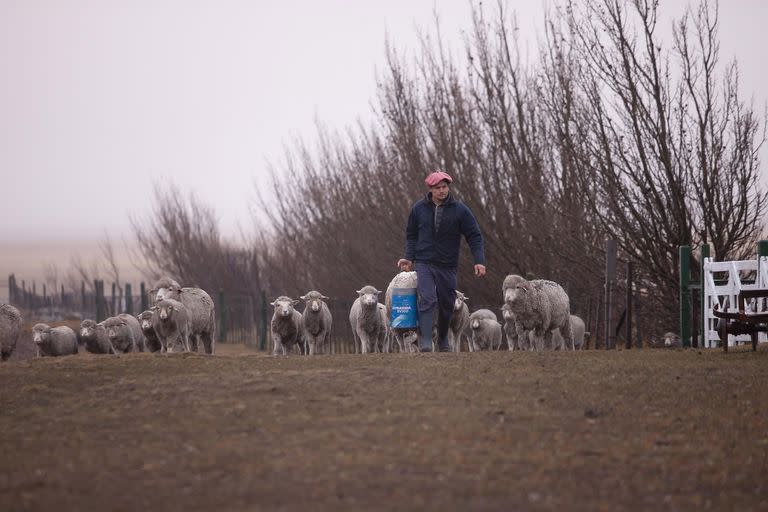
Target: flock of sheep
536,316
180,320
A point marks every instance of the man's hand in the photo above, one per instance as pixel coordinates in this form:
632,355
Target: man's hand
479,270
405,265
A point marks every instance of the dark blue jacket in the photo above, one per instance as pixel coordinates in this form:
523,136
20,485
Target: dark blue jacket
423,245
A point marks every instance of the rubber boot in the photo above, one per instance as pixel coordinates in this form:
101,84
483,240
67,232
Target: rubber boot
442,334
426,318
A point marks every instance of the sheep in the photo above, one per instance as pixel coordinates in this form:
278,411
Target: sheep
540,306
406,338
459,321
316,322
385,342
10,330
486,330
515,340
578,330
285,325
124,332
368,319
153,342
170,322
54,341
200,311
95,338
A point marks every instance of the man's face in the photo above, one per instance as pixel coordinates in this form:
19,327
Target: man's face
440,191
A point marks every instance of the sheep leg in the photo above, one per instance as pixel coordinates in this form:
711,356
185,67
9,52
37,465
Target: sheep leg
208,342
278,348
193,342
567,335
311,342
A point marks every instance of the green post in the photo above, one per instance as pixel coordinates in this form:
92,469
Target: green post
685,295
128,299
222,318
144,302
703,305
263,326
762,248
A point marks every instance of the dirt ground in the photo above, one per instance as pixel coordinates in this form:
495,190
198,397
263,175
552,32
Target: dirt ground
592,430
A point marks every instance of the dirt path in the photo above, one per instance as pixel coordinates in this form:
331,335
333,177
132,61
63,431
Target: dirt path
622,430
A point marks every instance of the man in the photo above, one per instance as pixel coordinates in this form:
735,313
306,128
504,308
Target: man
432,241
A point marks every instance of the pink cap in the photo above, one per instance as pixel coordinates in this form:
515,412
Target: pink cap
436,177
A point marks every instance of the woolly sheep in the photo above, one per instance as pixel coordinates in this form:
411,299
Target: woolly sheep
54,341
285,325
316,322
406,338
153,342
200,311
95,338
368,320
486,330
515,340
170,322
540,306
10,330
459,321
578,331
125,333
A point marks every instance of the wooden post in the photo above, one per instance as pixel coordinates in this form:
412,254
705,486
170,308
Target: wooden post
82,296
113,303
222,318
263,326
128,299
638,319
685,295
100,300
628,343
144,301
610,279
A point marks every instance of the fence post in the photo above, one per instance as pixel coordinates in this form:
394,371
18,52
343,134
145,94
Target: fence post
685,295
82,296
263,326
628,343
222,318
100,300
128,299
144,301
610,277
638,319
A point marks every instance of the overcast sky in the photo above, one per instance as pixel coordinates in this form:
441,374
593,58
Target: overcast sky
101,98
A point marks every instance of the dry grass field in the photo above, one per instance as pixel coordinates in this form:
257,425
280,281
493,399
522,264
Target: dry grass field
593,430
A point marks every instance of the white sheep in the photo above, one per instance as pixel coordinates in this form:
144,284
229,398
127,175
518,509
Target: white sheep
171,324
406,338
200,311
285,325
486,330
124,332
54,341
95,338
11,324
540,306
459,322
316,322
515,341
153,342
578,331
368,321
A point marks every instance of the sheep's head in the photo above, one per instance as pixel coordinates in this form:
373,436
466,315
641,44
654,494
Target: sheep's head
516,297
145,319
369,296
509,286
167,288
475,323
165,309
460,300
41,333
314,301
115,327
87,328
284,306
507,313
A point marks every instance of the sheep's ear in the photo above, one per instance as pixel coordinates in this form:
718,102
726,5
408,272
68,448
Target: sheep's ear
466,298
296,301
377,292
359,291
272,303
303,297
324,297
